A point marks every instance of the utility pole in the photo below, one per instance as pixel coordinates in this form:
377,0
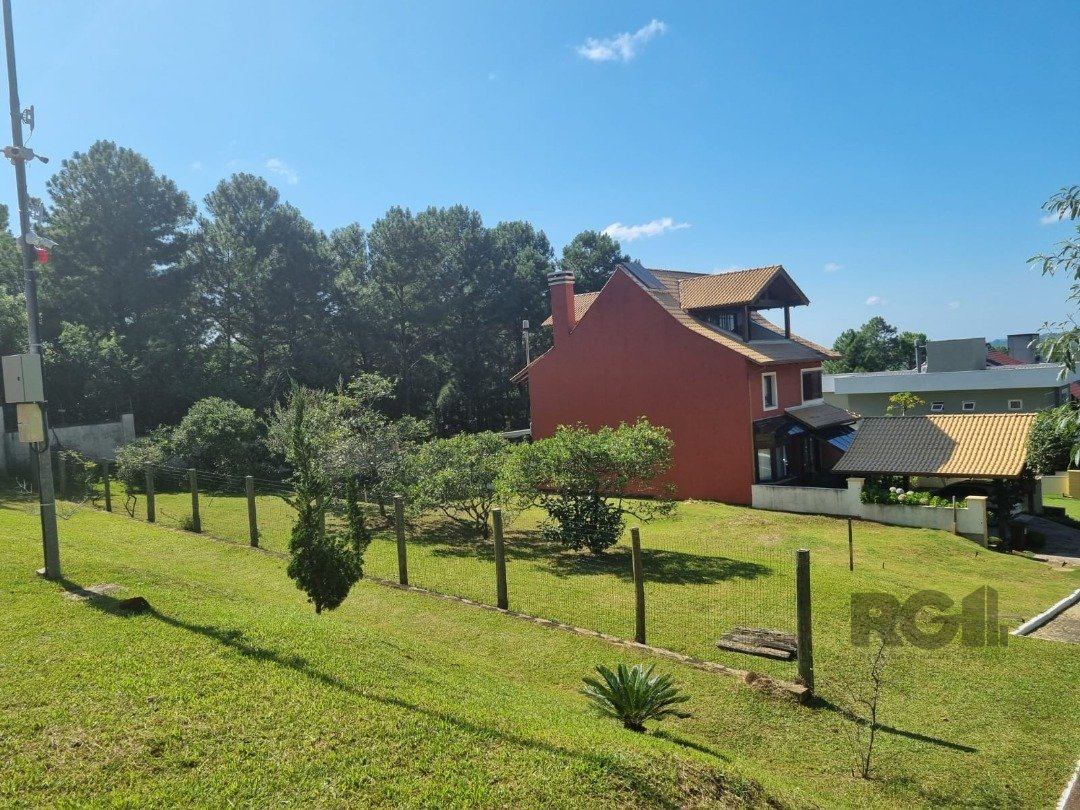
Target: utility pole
49,536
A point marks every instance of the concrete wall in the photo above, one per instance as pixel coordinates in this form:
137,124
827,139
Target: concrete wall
965,354
1056,485
93,441
970,522
1033,399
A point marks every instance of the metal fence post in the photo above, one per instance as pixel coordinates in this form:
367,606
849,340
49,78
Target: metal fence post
639,585
399,528
193,481
805,641
500,560
151,511
850,547
253,520
108,485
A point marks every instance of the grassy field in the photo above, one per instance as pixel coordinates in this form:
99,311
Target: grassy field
1070,505
233,691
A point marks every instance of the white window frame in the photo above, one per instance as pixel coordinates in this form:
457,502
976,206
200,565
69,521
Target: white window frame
937,407
964,406
765,406
802,388
1019,405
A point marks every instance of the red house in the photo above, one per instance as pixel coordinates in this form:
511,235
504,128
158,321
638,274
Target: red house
691,351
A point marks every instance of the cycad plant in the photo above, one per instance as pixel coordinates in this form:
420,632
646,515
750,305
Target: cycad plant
634,695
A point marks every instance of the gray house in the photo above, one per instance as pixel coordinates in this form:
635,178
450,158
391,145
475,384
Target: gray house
958,376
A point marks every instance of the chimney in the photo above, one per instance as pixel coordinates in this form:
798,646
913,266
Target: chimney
563,316
1020,347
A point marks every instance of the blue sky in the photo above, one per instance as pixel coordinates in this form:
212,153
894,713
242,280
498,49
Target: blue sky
893,157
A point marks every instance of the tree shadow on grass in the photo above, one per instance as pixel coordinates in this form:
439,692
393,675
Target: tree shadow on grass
448,539
234,640
819,703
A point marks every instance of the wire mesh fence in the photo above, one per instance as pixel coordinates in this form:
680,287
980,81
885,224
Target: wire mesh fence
696,589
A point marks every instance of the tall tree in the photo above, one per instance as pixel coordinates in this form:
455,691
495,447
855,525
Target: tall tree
407,305
265,286
875,346
1064,345
591,256
121,230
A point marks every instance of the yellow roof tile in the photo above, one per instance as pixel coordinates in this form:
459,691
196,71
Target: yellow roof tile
581,303
988,445
726,289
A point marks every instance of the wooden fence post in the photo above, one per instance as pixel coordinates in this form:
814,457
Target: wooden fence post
61,463
253,519
107,484
500,560
639,585
399,528
805,641
850,547
193,482
151,511
954,527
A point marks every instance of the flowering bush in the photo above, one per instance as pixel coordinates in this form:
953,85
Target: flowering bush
874,492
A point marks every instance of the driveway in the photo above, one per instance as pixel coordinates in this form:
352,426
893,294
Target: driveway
1062,542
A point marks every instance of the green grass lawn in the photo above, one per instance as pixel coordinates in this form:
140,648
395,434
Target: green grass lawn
234,691
1070,505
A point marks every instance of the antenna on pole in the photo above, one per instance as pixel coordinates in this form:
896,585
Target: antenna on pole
28,244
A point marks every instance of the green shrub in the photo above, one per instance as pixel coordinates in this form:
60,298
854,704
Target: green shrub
219,436
81,473
1053,441
634,695
131,460
584,480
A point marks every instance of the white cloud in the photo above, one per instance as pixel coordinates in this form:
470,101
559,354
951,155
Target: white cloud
283,170
621,47
874,301
628,233
1050,218
954,305
832,267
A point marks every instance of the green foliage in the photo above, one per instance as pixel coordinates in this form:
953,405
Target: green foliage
633,695
1054,442
81,474
903,402
888,490
458,476
325,563
220,436
591,256
874,346
582,479
1064,345
131,460
86,397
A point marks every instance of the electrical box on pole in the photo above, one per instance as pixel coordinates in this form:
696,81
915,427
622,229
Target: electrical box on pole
31,422
23,381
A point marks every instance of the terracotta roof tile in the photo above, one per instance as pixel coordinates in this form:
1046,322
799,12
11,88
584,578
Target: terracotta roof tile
989,445
582,301
763,352
726,289
996,358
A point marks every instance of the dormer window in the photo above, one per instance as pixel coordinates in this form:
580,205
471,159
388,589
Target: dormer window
727,320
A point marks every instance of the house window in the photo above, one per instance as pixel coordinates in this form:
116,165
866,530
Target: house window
728,321
937,407
764,464
768,391
811,384
1016,404
968,406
